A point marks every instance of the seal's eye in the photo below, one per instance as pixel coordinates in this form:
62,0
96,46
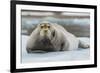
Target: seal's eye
48,26
41,26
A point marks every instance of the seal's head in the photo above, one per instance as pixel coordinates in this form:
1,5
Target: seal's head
46,30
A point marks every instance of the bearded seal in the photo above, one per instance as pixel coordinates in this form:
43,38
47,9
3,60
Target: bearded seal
51,37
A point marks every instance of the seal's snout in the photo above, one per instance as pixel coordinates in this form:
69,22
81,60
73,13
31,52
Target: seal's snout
45,31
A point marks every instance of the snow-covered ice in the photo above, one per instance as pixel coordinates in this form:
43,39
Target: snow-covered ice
81,54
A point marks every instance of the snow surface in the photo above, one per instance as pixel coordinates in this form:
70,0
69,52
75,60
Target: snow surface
80,54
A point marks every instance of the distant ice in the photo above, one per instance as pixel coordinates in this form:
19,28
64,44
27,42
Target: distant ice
81,54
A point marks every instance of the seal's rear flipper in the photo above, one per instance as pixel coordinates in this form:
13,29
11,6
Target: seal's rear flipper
83,44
